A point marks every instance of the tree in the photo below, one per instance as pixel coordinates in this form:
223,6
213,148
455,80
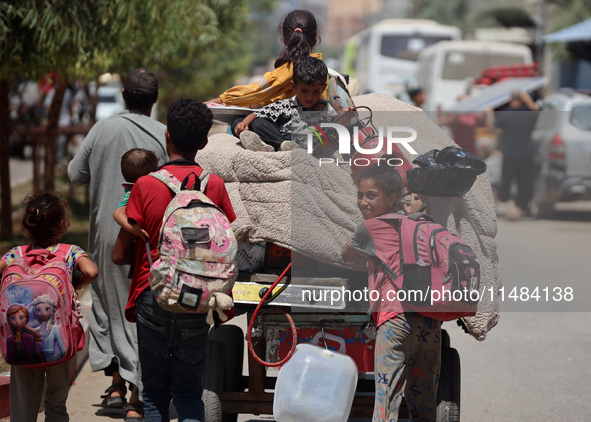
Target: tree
84,38
450,12
566,13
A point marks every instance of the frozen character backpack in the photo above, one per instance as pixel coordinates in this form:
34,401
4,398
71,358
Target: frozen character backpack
439,273
39,321
197,266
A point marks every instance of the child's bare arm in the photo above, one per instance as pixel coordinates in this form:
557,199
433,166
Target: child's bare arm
346,116
120,217
122,251
348,253
2,266
88,269
244,124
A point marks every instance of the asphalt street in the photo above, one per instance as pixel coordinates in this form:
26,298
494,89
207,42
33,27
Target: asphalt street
533,366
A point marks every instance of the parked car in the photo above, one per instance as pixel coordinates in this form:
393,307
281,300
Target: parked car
563,136
110,101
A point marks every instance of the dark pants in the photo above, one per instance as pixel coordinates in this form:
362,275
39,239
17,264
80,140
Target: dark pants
172,349
522,170
267,130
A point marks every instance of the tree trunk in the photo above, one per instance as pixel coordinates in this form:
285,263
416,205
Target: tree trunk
51,137
6,202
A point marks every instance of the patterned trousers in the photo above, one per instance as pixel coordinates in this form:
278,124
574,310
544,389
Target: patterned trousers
407,363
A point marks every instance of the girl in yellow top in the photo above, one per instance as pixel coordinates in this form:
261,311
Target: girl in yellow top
299,32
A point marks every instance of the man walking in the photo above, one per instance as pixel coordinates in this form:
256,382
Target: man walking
517,122
113,340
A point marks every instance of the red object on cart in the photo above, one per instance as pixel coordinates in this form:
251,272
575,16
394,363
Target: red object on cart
494,74
361,351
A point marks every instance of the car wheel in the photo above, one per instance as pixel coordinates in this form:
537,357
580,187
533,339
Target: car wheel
540,206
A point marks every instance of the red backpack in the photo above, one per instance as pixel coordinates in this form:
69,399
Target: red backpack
440,274
39,322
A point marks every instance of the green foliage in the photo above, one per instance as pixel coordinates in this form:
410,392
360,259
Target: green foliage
449,12
566,13
81,39
569,12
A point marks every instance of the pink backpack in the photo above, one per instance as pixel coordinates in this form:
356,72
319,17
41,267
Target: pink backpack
440,273
197,250
39,322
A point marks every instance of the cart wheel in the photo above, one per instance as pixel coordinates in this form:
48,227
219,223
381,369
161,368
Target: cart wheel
232,337
448,392
213,380
445,342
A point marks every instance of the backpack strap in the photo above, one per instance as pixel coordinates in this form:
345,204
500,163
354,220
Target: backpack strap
204,179
42,254
387,270
175,185
418,215
64,249
168,179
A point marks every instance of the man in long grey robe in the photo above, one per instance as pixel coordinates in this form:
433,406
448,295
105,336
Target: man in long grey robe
113,340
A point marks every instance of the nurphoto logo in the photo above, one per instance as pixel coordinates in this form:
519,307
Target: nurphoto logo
390,136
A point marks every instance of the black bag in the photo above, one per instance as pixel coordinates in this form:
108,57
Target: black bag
449,172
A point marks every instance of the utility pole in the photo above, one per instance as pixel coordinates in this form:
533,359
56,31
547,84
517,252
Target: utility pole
542,7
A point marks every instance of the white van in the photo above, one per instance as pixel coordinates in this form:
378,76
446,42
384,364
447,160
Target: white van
446,69
383,57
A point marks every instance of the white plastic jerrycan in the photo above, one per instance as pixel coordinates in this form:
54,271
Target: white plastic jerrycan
316,384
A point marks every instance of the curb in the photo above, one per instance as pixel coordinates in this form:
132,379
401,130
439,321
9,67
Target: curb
80,358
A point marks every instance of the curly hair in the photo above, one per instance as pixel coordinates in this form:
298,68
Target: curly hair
310,71
189,121
46,218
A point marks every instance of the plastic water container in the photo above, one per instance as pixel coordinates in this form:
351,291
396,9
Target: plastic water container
316,385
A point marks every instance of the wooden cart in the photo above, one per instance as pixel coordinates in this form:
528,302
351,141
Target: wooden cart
227,392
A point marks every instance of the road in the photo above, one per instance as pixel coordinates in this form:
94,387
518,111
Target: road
533,366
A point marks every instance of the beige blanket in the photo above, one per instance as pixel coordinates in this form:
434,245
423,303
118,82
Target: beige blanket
289,199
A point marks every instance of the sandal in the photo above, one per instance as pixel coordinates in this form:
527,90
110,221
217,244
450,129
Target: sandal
139,408
110,402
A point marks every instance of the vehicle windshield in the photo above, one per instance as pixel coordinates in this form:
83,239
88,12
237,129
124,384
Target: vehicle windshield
580,116
407,47
460,65
107,99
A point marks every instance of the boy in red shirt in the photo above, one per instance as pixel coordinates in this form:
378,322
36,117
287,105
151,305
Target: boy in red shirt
171,345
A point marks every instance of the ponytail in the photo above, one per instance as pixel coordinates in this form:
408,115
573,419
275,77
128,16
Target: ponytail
43,217
299,33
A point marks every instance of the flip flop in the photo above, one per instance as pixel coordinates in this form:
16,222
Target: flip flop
139,408
110,402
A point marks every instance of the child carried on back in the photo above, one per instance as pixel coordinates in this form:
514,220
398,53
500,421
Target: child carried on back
135,163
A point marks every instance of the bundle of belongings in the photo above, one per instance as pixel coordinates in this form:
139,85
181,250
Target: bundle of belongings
308,203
